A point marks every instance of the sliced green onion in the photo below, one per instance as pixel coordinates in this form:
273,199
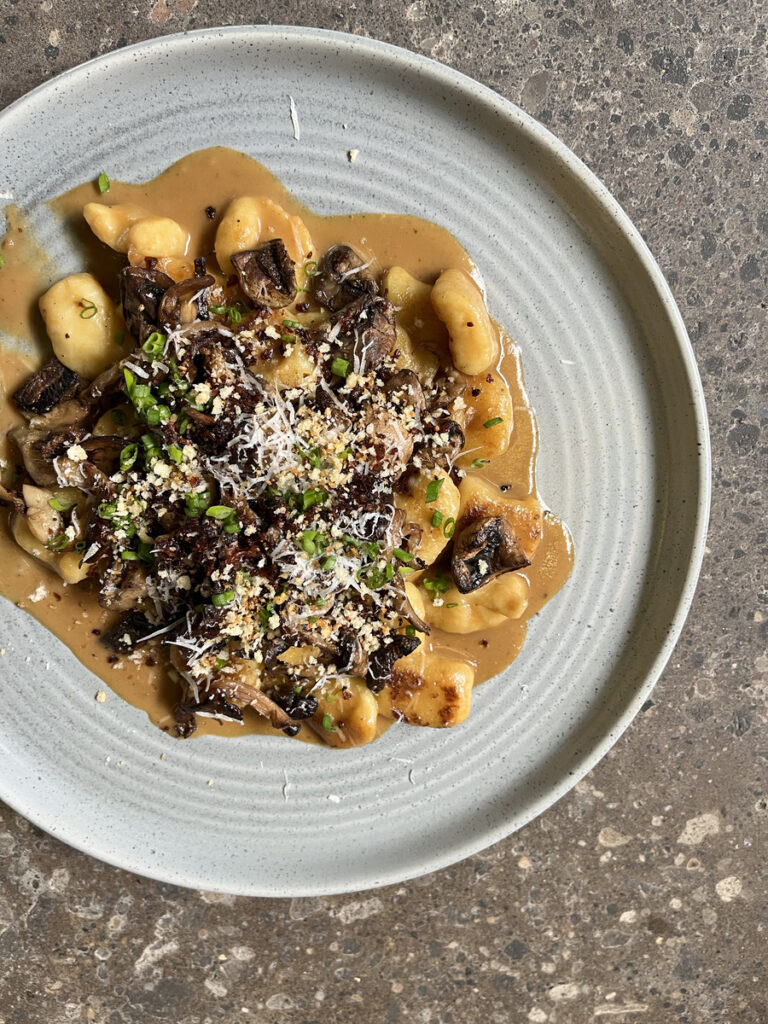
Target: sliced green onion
233,526
307,541
220,512
450,527
130,556
221,662
89,310
340,366
328,562
312,455
452,604
402,556
130,381
218,310
406,570
291,323
433,489
175,453
128,456
328,723
58,543
80,546
2,261
154,346
410,631
107,509
345,454
478,463
61,504
103,182
493,422
219,600
235,316
145,552
314,496
437,517
196,504
157,414
310,268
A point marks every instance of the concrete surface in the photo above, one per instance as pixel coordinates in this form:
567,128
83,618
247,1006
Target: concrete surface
640,897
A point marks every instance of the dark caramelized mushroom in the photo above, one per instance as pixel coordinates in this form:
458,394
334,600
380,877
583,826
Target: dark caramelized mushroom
443,446
141,292
448,384
50,385
382,661
404,388
123,586
483,549
267,274
369,325
342,278
128,633
351,658
177,307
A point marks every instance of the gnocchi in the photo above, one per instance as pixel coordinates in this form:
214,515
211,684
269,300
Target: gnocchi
434,518
83,324
427,689
346,717
480,498
488,419
250,220
473,340
503,598
415,313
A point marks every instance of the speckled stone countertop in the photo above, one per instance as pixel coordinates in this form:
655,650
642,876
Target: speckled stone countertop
641,896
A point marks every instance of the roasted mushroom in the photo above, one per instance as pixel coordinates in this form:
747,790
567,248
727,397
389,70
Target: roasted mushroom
367,326
45,389
382,661
483,549
181,303
404,388
342,278
141,292
267,274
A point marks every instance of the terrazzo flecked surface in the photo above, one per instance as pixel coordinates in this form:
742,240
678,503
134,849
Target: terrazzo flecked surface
641,895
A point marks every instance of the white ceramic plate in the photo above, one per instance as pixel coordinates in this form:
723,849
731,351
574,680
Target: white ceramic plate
624,458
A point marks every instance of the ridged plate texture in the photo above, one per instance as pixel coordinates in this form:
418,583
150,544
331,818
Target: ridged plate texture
624,459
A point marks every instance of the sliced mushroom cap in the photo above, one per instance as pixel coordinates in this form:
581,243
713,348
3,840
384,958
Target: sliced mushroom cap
443,446
382,661
368,326
351,659
13,499
392,442
141,292
404,388
181,303
484,549
342,278
123,586
84,475
129,632
267,274
46,388
448,384
29,442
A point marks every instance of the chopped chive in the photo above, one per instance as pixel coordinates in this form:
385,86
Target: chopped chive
218,310
58,543
452,604
175,453
328,723
478,463
103,182
235,316
219,600
129,556
89,310
154,346
220,512
410,631
80,546
310,268
128,456
437,517
233,526
221,662
433,489
406,570
450,527
402,556
493,422
196,504
328,562
340,366
61,504
2,261
314,496
291,323
107,509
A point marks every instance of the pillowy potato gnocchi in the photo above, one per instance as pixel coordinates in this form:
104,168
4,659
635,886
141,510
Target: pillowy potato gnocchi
83,324
473,339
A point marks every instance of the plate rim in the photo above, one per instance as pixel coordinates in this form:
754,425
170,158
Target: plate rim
540,136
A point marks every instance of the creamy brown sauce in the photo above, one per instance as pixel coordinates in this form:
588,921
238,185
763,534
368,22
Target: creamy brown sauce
211,178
